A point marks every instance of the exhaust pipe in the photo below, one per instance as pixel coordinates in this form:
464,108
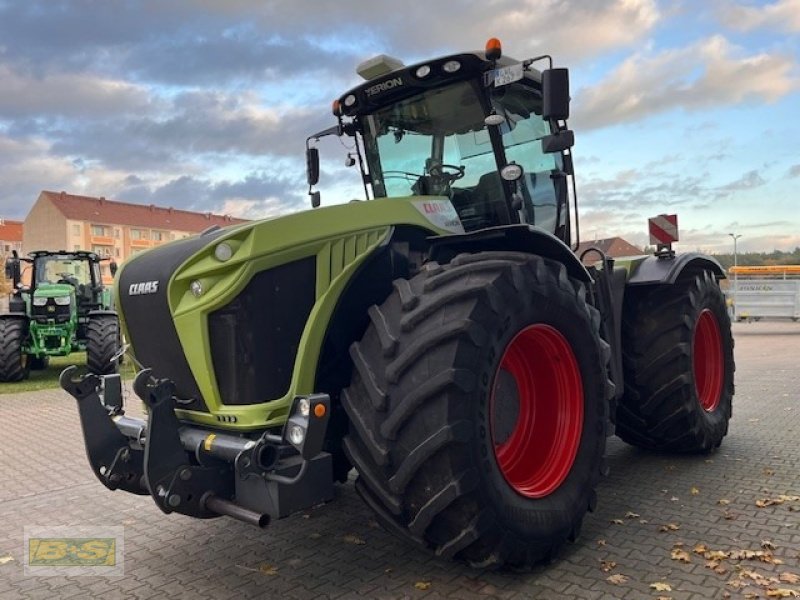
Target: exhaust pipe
231,509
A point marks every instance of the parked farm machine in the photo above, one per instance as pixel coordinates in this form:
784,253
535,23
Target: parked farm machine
440,337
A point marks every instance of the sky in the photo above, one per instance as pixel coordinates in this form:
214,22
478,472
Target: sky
678,107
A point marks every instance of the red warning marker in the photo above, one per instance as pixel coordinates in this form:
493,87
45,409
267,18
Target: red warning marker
663,229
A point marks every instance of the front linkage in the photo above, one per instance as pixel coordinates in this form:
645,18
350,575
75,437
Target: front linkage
199,472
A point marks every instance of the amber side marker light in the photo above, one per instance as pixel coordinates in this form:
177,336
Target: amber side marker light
494,49
319,410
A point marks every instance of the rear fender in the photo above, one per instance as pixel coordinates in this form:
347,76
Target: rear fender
654,270
101,313
15,315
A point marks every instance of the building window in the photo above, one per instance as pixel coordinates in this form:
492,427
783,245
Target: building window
116,252
139,234
76,229
116,232
99,230
102,250
158,236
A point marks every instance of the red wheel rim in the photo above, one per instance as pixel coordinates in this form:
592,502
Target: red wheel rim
538,453
707,360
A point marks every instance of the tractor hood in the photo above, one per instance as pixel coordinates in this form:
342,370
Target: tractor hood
198,309
53,290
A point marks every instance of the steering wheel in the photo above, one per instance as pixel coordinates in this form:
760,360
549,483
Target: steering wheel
440,171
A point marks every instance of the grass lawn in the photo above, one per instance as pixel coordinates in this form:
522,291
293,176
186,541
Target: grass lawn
48,378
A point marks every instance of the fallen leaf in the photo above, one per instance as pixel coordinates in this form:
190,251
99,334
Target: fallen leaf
617,579
729,516
631,515
720,570
783,593
266,569
681,555
670,527
601,542
716,555
661,586
354,539
767,545
607,565
695,491
789,577
315,535
700,548
674,499
643,521
6,559
617,521
422,585
751,596
723,502
768,471
737,584
764,502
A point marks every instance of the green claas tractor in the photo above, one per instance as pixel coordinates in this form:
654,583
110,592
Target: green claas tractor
440,336
65,309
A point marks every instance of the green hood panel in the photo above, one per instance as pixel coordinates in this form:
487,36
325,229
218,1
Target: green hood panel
53,290
339,238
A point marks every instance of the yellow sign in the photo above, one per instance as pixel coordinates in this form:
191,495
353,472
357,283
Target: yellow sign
72,552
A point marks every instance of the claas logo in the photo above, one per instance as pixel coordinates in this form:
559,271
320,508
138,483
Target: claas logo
72,552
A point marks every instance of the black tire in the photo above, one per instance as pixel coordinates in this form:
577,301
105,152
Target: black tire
419,405
102,343
667,355
38,363
14,365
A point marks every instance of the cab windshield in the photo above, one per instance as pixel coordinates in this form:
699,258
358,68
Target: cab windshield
62,269
437,144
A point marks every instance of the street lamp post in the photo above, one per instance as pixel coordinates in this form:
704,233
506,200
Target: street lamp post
735,275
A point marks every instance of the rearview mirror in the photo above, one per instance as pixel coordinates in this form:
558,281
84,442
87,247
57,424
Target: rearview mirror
12,270
312,165
555,94
558,142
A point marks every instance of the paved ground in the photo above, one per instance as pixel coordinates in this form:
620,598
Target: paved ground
339,551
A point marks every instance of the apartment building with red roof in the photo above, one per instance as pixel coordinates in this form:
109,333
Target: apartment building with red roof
10,237
62,221
614,247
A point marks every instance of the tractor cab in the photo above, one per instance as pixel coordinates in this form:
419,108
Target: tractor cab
64,275
485,131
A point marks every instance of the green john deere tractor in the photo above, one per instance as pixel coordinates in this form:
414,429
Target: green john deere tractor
440,337
65,309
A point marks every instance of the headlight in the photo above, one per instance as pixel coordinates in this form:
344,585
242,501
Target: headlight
39,301
62,300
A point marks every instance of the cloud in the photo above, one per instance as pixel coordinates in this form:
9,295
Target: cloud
783,15
257,195
67,94
216,42
794,171
707,74
747,181
193,127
